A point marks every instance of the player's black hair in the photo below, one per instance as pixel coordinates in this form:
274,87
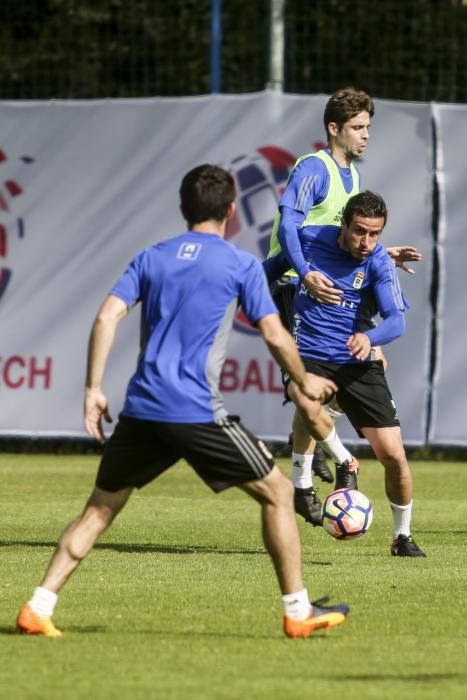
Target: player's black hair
346,104
367,204
206,192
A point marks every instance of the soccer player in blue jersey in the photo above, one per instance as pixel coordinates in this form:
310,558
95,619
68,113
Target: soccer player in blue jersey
317,190
332,344
189,288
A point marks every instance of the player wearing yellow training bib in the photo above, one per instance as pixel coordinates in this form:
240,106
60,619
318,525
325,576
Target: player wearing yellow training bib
317,191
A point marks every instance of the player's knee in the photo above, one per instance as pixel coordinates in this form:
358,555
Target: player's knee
307,408
286,489
279,490
86,531
393,457
285,496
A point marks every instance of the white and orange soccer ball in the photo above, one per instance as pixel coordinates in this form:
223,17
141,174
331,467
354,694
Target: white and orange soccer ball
347,514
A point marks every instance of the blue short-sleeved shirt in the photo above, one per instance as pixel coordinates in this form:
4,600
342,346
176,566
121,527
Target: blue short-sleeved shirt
370,286
189,288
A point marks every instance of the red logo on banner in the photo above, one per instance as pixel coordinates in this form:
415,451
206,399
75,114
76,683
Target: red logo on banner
10,223
260,179
16,371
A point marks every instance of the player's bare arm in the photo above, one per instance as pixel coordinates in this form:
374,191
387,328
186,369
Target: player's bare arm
111,312
402,254
282,347
322,288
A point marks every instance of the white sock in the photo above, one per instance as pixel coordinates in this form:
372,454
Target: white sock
297,605
301,471
401,517
43,602
334,447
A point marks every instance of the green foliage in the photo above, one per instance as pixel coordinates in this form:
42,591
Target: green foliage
102,48
115,48
400,49
178,600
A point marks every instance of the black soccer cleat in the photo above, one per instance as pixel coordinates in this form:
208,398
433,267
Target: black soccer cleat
405,546
320,467
346,474
308,505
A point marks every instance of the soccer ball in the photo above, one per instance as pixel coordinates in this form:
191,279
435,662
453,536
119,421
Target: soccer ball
347,514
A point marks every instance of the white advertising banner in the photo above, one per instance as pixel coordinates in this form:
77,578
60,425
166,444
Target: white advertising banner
84,185
448,425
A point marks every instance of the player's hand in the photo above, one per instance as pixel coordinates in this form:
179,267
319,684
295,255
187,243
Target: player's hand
95,408
318,388
402,254
321,288
359,346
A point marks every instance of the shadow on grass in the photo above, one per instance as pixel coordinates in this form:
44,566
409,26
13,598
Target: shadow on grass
83,629
152,549
164,634
443,532
398,678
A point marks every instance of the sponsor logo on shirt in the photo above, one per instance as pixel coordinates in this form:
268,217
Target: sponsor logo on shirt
338,217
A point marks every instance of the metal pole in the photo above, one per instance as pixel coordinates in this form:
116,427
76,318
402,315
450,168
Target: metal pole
276,48
216,45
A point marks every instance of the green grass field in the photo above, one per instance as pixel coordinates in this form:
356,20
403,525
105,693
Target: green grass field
179,600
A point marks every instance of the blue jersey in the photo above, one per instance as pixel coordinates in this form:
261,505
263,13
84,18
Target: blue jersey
189,288
308,183
370,286
317,190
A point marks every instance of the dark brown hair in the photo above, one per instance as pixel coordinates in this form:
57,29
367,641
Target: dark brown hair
346,104
368,204
206,193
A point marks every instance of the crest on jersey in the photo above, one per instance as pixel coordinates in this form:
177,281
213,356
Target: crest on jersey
358,281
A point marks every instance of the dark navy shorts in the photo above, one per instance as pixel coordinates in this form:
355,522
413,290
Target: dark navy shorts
363,392
223,454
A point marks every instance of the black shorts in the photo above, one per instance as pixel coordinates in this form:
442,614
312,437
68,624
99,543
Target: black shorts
223,454
363,392
283,292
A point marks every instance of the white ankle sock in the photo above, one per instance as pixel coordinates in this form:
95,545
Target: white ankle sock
297,605
334,447
43,602
301,471
401,517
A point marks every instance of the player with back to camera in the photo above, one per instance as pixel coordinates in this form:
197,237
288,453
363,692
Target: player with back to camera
173,409
317,190
331,344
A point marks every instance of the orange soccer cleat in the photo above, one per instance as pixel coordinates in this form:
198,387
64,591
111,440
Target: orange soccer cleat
319,618
28,622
